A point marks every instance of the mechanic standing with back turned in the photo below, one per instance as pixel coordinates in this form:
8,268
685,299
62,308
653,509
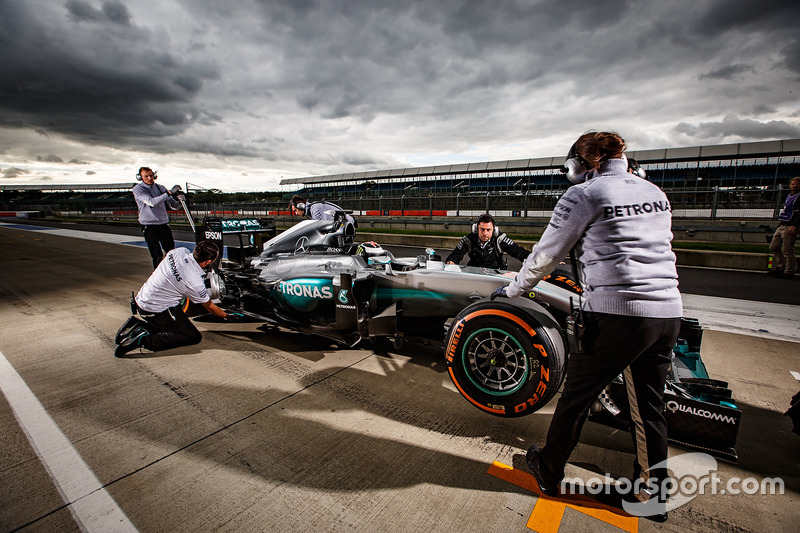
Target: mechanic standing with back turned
152,200
620,228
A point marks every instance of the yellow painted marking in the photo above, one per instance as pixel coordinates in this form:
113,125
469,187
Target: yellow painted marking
548,511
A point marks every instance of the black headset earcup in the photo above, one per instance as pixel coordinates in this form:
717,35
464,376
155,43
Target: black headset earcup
475,229
138,177
496,230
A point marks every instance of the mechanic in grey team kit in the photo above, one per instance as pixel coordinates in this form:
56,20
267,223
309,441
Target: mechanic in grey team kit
152,200
485,246
163,324
322,210
620,228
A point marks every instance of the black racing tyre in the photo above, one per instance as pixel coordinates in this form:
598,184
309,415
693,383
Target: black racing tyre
564,279
505,359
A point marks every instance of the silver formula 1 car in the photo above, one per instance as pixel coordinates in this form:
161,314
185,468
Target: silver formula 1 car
506,357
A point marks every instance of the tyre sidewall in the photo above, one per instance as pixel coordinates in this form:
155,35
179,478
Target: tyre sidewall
543,367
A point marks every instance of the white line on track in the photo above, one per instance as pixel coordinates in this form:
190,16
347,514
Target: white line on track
91,505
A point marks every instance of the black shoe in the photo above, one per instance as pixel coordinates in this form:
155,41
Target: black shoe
126,328
614,495
534,460
658,517
131,342
785,275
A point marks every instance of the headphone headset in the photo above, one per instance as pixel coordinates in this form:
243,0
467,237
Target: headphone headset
636,169
496,230
575,167
579,170
298,205
139,174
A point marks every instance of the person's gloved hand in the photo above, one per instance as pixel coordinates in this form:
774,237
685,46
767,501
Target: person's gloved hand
234,317
175,190
499,293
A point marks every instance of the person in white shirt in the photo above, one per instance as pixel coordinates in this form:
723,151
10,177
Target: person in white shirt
163,323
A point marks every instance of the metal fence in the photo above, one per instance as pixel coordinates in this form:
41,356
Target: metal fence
712,203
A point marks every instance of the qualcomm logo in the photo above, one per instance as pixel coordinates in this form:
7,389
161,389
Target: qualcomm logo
674,406
343,296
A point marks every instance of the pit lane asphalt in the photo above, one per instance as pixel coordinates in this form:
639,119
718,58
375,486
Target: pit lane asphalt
266,431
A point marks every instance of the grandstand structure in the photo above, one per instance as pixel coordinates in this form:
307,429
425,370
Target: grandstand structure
743,180
68,198
755,164
715,181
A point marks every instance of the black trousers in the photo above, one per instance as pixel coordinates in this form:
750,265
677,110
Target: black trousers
158,237
641,350
169,329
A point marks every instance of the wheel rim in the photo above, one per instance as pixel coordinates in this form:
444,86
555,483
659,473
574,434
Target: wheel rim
495,362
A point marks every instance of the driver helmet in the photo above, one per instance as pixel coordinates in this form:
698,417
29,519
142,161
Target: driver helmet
369,249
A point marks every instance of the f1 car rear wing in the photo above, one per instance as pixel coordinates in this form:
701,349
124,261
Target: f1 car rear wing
243,236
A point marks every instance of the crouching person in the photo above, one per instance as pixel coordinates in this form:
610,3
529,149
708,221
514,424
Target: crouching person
163,324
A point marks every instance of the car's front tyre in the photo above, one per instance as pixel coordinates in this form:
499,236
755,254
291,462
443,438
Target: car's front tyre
505,359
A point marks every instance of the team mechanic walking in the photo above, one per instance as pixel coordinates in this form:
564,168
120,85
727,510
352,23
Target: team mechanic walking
620,228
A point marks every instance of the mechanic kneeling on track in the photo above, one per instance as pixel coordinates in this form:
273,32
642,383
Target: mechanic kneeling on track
163,324
485,246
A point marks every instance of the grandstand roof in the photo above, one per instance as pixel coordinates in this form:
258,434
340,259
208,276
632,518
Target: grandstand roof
780,148
71,187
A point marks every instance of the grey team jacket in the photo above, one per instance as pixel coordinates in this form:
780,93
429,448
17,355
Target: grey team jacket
150,200
621,228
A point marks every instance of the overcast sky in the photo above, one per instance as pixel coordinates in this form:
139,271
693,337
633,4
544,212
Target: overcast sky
237,94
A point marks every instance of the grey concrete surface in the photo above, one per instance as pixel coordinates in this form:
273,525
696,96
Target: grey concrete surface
277,431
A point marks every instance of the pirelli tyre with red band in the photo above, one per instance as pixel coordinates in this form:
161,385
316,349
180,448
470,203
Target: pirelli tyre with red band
506,357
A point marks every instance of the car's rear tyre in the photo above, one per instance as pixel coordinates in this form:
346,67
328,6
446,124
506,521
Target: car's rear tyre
503,359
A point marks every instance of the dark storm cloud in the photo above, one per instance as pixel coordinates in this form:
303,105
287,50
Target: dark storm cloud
49,158
14,172
733,126
360,59
89,73
727,72
730,15
338,85
115,12
737,19
791,53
